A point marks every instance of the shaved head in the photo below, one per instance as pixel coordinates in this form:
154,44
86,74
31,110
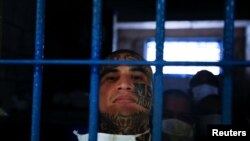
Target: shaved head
125,54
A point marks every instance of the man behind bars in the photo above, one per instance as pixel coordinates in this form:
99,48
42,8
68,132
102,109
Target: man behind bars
125,100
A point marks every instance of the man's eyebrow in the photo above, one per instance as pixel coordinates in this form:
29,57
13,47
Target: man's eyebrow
140,69
108,70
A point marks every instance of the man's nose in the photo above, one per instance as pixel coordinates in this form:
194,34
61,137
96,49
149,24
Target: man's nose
125,83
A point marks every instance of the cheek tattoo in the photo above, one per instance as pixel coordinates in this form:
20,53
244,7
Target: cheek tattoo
144,95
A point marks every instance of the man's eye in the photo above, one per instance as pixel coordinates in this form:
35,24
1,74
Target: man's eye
137,77
111,78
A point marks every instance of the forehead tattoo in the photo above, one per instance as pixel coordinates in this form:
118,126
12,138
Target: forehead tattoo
126,55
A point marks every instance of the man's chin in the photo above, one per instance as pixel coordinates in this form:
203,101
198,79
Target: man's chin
128,109
127,113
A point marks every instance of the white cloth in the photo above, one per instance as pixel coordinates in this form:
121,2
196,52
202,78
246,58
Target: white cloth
108,137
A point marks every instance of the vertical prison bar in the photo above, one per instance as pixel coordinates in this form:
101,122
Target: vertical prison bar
158,77
228,56
37,82
94,90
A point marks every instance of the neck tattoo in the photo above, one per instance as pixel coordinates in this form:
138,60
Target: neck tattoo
126,125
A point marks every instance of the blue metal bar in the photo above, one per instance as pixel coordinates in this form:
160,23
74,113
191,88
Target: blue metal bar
94,89
114,62
158,77
228,56
37,84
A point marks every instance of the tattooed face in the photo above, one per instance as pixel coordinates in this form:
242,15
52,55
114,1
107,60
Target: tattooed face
125,90
125,98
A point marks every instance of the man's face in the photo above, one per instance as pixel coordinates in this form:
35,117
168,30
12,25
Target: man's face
125,90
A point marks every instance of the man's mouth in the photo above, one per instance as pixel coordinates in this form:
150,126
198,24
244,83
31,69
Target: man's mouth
124,99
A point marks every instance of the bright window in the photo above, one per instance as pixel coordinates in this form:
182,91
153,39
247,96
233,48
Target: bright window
200,50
